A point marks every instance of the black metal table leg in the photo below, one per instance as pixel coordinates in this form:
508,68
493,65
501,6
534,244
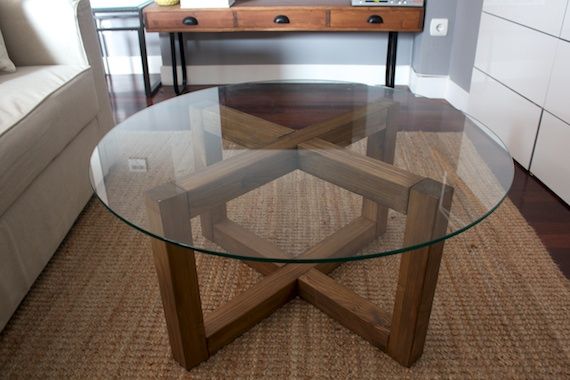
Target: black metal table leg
178,90
149,88
111,12
391,59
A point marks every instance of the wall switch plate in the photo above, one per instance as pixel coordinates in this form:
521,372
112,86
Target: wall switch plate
138,165
439,27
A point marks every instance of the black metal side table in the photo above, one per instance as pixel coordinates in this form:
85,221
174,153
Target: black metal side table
125,9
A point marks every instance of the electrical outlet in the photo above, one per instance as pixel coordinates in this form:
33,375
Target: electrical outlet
438,27
138,165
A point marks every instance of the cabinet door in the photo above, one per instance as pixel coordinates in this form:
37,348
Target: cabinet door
558,98
513,118
566,27
551,156
544,15
516,56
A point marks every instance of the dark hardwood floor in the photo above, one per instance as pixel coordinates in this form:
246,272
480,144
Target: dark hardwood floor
544,211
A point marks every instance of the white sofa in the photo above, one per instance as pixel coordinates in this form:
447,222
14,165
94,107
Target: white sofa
53,111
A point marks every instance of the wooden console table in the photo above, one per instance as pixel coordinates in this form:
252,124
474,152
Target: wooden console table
284,16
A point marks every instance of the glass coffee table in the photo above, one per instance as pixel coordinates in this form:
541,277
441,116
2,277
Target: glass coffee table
294,179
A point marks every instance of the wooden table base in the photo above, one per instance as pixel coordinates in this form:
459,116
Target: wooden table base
194,337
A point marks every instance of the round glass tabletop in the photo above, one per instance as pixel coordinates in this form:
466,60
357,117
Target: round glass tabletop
301,172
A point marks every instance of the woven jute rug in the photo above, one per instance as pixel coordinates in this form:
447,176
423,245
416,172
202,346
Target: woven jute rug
501,309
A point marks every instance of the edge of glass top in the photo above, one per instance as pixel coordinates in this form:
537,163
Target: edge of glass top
363,256
110,7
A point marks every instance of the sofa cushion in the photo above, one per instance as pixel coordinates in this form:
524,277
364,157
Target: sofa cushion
42,108
5,62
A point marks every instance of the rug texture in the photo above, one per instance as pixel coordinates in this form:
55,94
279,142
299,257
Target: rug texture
501,308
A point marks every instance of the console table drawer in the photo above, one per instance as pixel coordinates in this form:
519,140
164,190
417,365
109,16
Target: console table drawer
284,19
402,20
182,21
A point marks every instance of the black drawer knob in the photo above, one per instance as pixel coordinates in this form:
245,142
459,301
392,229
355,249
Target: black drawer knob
281,19
375,19
190,21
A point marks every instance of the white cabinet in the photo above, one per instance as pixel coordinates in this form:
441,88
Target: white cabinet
551,161
517,56
566,27
558,98
544,15
521,79
513,118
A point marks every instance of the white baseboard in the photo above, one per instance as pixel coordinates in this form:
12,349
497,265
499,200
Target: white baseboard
439,87
457,96
121,65
212,74
430,86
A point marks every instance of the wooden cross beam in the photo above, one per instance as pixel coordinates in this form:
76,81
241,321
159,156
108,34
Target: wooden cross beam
348,240
241,128
252,132
371,178
227,179
278,150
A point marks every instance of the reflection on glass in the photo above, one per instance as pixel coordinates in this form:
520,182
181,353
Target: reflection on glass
269,170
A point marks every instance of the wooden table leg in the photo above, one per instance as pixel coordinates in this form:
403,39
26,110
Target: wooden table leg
208,149
381,146
167,209
429,204
178,280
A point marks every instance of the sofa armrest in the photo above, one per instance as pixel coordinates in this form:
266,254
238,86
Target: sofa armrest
56,32
40,32
92,51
